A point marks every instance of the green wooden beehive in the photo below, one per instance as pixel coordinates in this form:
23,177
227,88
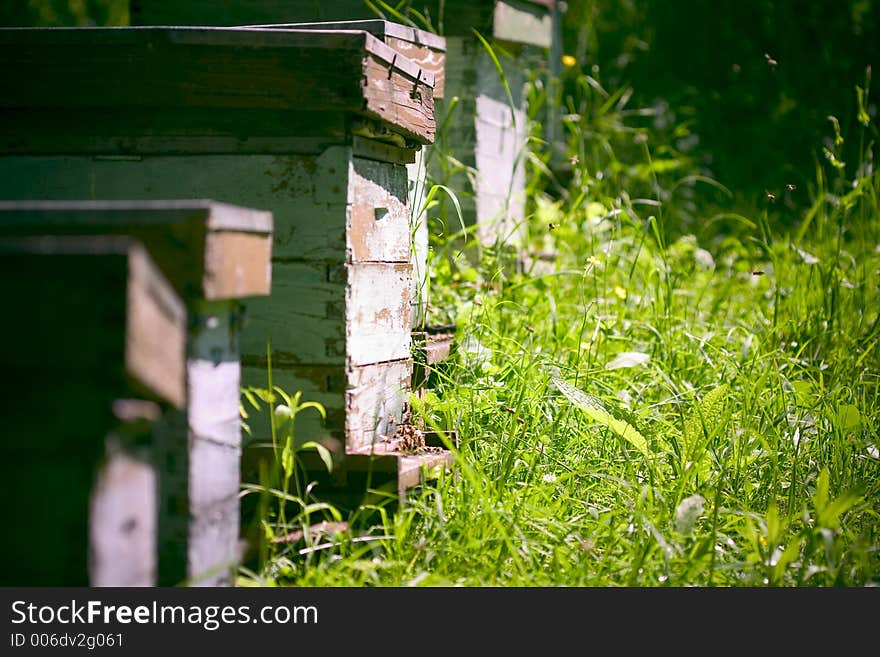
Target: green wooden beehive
313,126
485,132
94,355
214,255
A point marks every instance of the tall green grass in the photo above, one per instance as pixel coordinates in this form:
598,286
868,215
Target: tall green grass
686,395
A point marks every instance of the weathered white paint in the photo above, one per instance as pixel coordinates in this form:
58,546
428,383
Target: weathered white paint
488,136
501,139
377,313
210,562
214,379
376,401
122,523
378,227
341,285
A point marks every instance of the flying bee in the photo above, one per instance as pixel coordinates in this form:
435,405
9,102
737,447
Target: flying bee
758,272
771,197
772,62
551,226
790,187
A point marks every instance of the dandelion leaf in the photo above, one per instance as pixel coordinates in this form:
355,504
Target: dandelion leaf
615,419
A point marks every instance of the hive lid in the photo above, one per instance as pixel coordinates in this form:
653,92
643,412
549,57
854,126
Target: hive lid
208,250
377,27
180,81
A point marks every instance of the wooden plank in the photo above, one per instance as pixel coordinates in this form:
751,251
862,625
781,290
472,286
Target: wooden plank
237,265
401,100
212,556
375,402
123,524
368,148
169,131
382,29
209,250
155,330
148,69
425,49
518,21
305,194
191,67
378,228
153,343
500,156
303,319
377,322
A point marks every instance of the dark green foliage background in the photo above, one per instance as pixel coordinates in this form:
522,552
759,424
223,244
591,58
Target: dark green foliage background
759,124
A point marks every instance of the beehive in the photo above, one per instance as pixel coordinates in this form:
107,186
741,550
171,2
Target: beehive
313,126
94,354
429,52
486,129
214,255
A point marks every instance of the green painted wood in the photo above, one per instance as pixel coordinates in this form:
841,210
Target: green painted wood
341,273
123,72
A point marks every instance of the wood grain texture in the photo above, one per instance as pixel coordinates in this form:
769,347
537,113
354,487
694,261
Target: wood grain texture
430,59
399,99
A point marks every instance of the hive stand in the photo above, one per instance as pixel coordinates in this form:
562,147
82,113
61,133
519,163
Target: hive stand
483,131
214,255
94,355
314,126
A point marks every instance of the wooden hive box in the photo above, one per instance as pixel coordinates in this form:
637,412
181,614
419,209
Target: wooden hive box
482,130
313,126
94,355
424,48
429,52
214,255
